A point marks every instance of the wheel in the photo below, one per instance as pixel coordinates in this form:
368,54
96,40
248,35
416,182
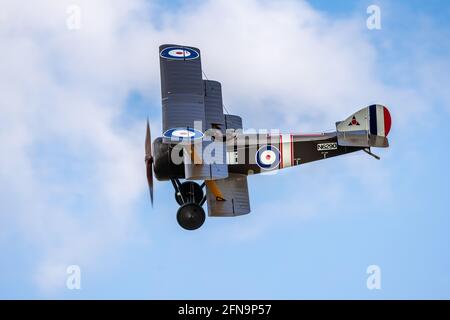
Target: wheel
191,191
191,216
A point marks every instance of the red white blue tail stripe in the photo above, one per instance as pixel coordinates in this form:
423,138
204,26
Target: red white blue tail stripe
379,120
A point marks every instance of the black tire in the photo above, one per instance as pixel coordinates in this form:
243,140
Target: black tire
191,216
191,191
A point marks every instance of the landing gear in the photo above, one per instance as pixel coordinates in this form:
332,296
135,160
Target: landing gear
189,191
191,216
189,195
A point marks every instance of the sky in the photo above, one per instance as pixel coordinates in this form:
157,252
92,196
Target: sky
75,96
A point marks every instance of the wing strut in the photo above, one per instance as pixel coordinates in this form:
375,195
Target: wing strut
212,185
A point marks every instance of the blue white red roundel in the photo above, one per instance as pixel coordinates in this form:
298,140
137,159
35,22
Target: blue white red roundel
183,134
268,157
179,53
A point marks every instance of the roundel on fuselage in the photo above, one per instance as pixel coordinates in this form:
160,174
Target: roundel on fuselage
268,157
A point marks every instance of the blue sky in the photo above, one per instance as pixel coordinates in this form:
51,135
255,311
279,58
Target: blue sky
72,186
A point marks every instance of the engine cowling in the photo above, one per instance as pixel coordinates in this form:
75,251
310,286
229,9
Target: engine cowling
163,167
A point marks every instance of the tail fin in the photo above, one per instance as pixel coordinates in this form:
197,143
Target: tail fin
368,127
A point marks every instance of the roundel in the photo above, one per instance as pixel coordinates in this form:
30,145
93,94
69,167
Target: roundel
181,134
268,157
179,53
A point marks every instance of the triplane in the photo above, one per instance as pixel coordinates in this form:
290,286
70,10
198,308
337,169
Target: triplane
201,143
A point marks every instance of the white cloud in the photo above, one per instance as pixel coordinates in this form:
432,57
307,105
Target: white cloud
70,176
285,58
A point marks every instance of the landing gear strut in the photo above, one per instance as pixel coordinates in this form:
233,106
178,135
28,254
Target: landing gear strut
189,195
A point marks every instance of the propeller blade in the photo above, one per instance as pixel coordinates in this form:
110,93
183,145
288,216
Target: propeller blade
149,168
149,161
148,142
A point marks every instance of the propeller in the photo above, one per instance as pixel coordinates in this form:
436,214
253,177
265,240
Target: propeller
149,161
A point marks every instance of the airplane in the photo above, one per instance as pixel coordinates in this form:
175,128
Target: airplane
202,143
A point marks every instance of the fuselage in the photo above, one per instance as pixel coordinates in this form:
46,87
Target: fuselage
257,153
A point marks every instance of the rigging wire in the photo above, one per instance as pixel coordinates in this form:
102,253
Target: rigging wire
223,104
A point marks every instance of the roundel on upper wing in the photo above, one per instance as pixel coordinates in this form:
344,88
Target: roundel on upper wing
179,53
268,157
183,134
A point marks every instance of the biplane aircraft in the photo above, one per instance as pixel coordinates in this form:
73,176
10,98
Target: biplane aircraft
201,143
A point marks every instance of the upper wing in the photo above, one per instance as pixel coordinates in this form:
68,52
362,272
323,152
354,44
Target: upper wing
182,87
186,97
